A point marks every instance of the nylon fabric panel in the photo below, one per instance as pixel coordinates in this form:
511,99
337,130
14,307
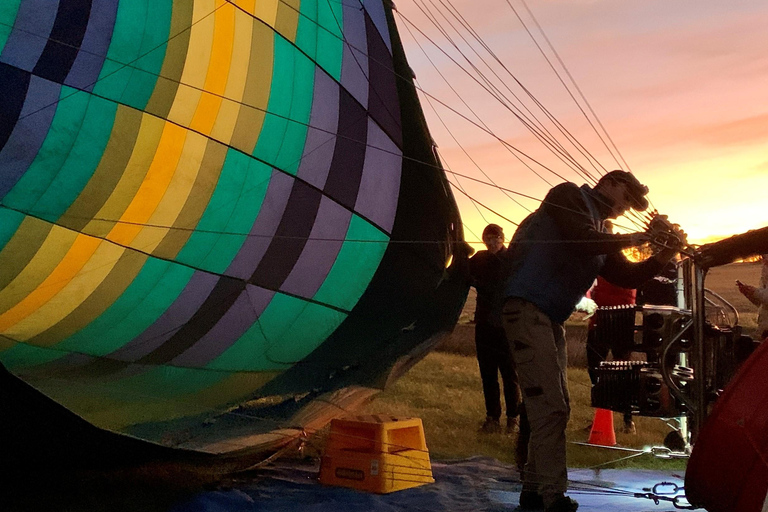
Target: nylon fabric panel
321,135
133,63
246,309
56,149
380,182
167,84
180,311
172,200
230,214
29,132
35,250
64,41
383,103
375,9
291,237
305,323
108,173
354,67
149,296
105,293
8,11
195,203
81,162
257,89
284,133
319,34
14,84
320,251
346,171
220,300
221,47
153,186
132,177
193,79
359,257
287,20
94,47
233,93
70,265
90,274
31,29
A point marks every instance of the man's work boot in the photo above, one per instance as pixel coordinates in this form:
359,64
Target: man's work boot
531,500
563,504
490,426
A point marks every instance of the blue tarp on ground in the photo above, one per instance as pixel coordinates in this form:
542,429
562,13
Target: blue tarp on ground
476,485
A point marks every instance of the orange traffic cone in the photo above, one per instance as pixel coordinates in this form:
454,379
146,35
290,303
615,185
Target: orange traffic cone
602,429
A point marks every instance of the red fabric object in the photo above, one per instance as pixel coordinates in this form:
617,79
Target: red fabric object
728,469
606,294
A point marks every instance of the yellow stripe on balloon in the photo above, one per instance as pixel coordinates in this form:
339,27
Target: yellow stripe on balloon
50,253
153,187
176,195
238,76
132,178
77,256
196,64
218,69
266,11
99,259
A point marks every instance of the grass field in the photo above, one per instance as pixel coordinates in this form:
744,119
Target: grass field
444,391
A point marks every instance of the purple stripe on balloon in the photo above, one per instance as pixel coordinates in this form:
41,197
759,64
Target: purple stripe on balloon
179,313
93,50
29,133
321,135
263,230
34,21
354,64
380,184
320,251
375,10
239,318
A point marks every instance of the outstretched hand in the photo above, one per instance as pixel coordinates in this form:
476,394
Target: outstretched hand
748,291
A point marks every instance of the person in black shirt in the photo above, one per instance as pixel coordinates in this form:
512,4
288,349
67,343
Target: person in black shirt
493,352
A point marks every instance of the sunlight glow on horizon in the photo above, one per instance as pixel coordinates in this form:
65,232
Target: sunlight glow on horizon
680,89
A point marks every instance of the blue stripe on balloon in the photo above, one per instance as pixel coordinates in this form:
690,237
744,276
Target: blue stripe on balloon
27,130
87,66
64,43
29,37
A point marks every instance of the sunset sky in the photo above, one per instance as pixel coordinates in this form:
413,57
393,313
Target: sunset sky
680,86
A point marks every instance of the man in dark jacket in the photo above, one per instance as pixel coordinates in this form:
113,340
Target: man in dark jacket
494,356
556,254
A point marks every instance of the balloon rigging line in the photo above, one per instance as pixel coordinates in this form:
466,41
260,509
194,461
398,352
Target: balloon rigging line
507,146
546,138
479,39
573,82
450,132
462,21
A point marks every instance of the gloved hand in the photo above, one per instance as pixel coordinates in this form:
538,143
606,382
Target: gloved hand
666,234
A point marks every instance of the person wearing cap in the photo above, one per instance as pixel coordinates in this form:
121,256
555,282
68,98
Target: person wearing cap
553,259
493,354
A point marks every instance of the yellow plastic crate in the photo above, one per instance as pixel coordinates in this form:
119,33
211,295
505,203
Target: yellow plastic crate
379,454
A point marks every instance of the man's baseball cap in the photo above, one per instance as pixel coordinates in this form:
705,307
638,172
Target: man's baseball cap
637,191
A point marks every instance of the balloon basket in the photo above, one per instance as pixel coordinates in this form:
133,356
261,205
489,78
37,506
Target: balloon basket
378,454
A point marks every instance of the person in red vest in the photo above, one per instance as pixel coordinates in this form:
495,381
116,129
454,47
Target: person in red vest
606,294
